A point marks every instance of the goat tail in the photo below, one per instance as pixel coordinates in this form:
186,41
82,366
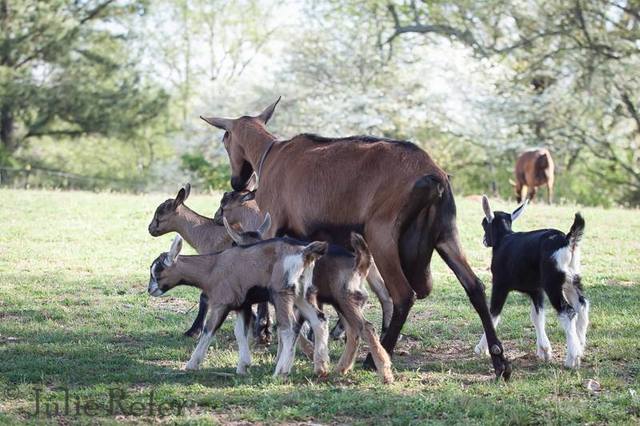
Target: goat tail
363,255
314,250
576,232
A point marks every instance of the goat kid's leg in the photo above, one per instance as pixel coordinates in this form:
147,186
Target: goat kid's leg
262,332
318,323
348,357
216,317
198,323
287,332
376,283
304,344
387,256
482,348
574,350
241,331
338,330
498,299
543,346
582,323
451,252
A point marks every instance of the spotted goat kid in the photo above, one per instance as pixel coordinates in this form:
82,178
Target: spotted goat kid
545,261
236,278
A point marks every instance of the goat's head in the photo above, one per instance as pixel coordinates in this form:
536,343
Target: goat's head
165,216
497,224
164,275
243,238
234,205
239,135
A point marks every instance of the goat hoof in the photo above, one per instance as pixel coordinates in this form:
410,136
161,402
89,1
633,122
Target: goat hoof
544,354
572,362
496,350
193,332
191,366
503,369
481,350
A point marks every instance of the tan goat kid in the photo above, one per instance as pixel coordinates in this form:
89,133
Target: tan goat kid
277,270
337,280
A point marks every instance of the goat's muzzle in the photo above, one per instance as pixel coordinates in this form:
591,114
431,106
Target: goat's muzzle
154,290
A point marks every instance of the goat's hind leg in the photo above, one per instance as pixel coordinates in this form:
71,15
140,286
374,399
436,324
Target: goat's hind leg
287,333
543,346
241,331
216,317
318,323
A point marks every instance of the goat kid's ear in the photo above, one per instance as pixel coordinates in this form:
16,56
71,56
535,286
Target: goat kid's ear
232,232
487,209
266,224
268,112
248,197
174,251
252,183
182,195
517,212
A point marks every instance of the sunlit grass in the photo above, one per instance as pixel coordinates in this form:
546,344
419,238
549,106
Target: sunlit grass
74,313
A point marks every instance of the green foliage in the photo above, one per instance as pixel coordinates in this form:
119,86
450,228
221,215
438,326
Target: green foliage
206,174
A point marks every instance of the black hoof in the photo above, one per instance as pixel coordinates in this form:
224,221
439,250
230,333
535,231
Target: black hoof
193,332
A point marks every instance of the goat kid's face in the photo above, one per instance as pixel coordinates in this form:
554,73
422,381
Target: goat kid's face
165,216
232,206
497,224
163,272
239,134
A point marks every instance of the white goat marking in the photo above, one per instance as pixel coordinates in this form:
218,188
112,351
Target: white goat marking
293,265
287,354
582,323
562,257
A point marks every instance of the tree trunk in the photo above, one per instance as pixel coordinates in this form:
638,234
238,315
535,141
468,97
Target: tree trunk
7,131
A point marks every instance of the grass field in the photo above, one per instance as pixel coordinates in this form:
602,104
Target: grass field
74,314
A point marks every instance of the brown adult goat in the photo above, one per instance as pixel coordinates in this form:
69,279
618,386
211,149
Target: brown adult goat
390,191
534,168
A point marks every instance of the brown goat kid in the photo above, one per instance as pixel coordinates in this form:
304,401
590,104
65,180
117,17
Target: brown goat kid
234,206
205,235
233,280
534,168
337,280
391,192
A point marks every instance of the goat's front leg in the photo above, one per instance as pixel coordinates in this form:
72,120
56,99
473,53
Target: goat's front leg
196,327
498,299
217,315
241,331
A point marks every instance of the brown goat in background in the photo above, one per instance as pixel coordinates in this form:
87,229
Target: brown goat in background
534,168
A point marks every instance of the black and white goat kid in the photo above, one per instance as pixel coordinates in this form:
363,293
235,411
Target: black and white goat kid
535,263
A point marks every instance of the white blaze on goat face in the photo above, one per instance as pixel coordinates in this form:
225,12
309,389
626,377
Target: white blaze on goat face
153,289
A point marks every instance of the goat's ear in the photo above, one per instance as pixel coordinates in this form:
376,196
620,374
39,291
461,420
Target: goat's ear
248,197
268,112
517,212
262,230
174,251
220,123
252,183
182,195
487,209
232,232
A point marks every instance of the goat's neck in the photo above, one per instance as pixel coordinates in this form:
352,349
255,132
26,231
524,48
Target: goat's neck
201,232
499,236
255,147
196,270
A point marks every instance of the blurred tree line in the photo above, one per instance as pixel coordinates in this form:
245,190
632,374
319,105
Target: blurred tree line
113,89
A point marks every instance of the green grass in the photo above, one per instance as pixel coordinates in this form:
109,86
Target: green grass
74,313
